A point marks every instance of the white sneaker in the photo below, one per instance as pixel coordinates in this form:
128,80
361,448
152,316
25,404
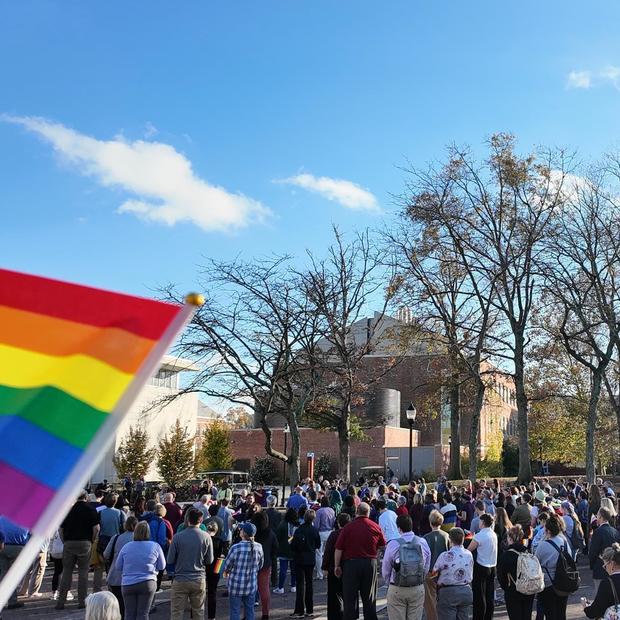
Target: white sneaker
278,590
69,596
293,589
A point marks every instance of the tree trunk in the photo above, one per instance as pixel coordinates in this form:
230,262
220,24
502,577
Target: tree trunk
474,430
344,444
595,393
293,460
454,470
525,468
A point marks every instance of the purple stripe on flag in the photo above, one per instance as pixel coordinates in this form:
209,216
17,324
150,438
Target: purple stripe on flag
22,498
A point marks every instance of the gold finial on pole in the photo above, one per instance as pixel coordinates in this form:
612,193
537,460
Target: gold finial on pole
195,299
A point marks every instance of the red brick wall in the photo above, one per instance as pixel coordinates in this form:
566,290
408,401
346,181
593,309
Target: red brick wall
248,444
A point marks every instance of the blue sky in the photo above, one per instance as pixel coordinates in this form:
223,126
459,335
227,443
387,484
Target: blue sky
201,108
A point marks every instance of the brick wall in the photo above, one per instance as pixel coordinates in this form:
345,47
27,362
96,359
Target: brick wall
248,444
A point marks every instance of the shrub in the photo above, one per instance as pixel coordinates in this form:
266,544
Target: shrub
264,470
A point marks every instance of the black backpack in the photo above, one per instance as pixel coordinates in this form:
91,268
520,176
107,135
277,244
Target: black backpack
566,580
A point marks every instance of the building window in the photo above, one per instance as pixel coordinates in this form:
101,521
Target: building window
165,378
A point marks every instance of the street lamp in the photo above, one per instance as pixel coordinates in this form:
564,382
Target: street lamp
411,413
287,430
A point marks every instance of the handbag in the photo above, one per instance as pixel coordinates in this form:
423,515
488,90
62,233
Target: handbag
613,612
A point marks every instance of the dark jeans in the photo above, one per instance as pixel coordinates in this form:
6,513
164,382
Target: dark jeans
57,573
359,576
117,591
138,599
284,564
554,606
305,593
274,573
335,605
518,606
483,587
212,581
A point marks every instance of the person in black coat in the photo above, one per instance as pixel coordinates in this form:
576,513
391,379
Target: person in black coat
335,603
518,605
608,593
306,541
603,536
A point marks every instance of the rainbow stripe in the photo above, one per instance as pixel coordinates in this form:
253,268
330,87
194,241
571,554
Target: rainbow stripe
218,566
67,355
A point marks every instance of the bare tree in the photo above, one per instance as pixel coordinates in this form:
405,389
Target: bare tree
342,288
440,285
499,211
249,337
584,284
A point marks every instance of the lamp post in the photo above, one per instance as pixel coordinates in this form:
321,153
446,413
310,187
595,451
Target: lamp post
287,430
411,413
540,458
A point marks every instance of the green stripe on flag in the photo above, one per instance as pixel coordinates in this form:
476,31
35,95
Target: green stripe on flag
53,410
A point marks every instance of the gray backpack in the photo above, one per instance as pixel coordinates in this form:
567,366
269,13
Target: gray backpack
409,571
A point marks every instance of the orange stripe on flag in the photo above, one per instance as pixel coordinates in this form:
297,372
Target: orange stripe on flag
52,336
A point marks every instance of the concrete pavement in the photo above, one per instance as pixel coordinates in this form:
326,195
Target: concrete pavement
281,604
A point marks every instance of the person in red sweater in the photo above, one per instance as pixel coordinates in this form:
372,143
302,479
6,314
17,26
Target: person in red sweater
355,560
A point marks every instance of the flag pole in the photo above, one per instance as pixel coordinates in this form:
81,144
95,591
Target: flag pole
66,495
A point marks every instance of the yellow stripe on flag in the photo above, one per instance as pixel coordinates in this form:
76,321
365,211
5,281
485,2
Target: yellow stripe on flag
85,378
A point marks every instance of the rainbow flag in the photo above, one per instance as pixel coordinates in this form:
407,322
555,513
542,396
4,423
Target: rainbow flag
68,354
218,566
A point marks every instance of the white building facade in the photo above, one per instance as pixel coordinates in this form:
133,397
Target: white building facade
157,420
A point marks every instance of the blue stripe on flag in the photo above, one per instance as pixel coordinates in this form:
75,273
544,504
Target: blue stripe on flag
31,450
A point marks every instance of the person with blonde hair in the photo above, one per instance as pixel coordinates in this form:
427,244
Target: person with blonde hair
438,542
607,593
139,562
518,605
102,606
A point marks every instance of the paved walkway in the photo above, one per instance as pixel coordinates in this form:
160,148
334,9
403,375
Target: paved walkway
281,604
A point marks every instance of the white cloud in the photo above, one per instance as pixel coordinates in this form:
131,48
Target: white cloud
150,130
165,187
346,193
579,79
609,75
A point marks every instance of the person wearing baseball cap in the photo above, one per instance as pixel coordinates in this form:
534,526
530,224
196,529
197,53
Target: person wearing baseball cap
242,564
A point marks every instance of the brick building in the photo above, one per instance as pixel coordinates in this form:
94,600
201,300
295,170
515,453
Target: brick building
396,379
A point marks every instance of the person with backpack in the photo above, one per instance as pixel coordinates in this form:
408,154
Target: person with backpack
607,599
520,576
454,573
306,541
559,570
574,533
483,584
406,563
161,533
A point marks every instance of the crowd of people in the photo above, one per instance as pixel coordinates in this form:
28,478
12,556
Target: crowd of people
448,552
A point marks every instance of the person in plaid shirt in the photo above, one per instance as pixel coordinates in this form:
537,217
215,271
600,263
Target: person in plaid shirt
242,564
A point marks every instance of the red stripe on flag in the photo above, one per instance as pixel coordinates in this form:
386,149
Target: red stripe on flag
144,317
